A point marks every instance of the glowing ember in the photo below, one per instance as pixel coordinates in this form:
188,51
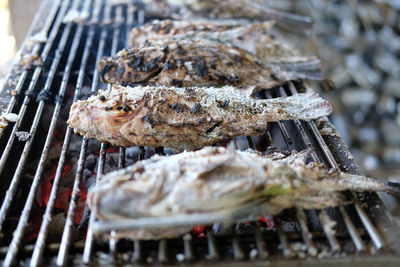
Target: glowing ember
267,219
199,230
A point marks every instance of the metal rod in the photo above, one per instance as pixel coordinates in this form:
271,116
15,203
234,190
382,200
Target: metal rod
41,240
355,236
18,234
46,26
252,145
329,232
302,132
66,238
327,153
114,47
378,241
162,251
283,129
373,233
89,236
261,247
287,251
212,247
137,251
305,232
32,85
187,247
237,249
161,222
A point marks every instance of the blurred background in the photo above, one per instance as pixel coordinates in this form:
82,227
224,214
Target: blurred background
359,44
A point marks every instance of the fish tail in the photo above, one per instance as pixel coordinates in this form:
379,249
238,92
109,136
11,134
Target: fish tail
360,184
392,188
304,106
308,69
288,21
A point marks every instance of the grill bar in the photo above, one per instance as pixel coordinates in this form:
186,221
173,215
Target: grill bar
18,234
15,181
32,85
89,236
35,50
37,253
66,238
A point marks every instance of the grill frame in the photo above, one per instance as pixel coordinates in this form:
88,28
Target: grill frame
105,26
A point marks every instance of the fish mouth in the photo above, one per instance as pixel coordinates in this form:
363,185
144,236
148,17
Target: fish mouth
108,71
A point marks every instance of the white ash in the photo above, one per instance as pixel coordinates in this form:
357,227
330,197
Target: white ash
22,136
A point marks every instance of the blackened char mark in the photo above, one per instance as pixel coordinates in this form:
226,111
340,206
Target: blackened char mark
226,78
156,28
274,77
152,64
212,128
196,108
136,63
179,50
127,108
222,104
178,107
148,119
200,69
168,66
167,28
175,82
107,67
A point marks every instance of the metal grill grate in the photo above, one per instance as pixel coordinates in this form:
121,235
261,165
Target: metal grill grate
70,57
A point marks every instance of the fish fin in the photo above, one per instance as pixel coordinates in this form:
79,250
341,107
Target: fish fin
393,188
358,183
321,201
288,21
304,68
303,106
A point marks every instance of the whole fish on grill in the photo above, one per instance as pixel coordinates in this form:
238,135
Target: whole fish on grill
184,118
254,38
200,63
227,9
215,180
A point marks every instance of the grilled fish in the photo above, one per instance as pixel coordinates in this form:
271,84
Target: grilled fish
227,9
254,38
219,180
200,63
184,118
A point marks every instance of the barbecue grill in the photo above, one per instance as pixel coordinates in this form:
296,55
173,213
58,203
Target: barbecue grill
46,170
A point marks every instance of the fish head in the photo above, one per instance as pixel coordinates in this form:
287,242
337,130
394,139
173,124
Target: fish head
132,66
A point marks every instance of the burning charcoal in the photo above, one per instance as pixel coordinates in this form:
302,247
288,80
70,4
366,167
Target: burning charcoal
56,228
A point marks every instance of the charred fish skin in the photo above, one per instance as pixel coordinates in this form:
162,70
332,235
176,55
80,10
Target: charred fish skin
216,180
158,30
198,63
228,9
184,118
254,38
